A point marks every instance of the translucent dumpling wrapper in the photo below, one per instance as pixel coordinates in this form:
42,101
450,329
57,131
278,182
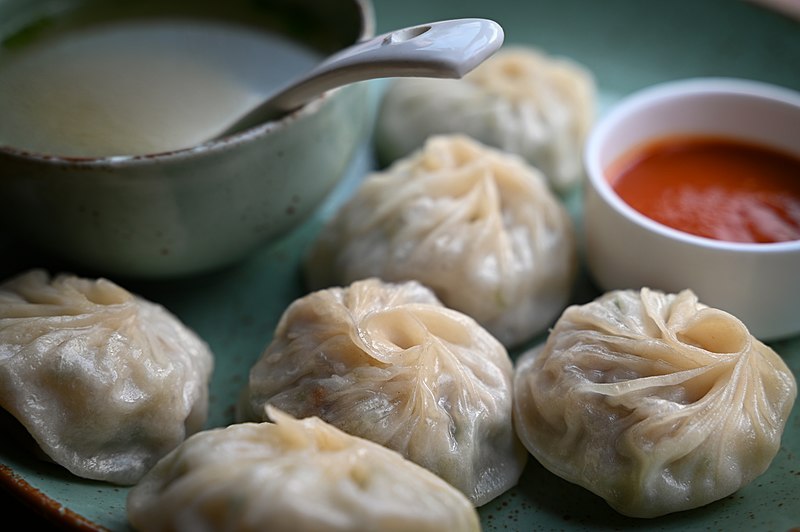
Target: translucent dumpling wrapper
476,225
389,363
293,475
104,381
653,401
521,100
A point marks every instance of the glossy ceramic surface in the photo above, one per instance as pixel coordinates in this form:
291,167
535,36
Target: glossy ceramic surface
758,283
628,44
443,49
191,210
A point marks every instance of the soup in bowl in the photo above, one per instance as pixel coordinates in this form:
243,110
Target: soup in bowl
105,157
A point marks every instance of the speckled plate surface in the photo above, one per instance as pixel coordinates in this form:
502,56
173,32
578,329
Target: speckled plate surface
628,44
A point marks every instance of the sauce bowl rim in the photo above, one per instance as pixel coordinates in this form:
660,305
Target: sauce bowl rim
638,102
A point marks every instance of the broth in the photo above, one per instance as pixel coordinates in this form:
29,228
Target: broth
139,87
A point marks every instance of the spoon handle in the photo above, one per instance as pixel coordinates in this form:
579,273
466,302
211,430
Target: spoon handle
446,49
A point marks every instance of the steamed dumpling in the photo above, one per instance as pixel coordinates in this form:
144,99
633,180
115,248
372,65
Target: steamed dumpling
521,100
476,225
389,363
653,401
105,382
293,475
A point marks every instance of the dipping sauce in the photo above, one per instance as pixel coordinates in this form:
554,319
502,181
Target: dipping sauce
713,187
139,87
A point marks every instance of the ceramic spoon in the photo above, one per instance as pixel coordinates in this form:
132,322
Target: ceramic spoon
447,49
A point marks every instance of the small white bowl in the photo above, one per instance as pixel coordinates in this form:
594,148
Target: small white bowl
757,283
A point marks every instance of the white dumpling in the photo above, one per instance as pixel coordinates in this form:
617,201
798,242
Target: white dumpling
389,363
653,401
105,382
521,100
289,476
476,225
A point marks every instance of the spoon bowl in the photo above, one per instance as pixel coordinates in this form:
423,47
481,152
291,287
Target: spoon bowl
446,49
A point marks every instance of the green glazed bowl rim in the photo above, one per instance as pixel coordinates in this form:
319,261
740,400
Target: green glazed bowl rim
366,12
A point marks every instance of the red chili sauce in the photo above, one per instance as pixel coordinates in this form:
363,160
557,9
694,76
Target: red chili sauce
713,187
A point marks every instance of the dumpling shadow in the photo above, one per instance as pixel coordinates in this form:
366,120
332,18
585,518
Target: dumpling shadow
544,501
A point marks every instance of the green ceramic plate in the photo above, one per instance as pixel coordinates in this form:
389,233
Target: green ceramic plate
628,44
